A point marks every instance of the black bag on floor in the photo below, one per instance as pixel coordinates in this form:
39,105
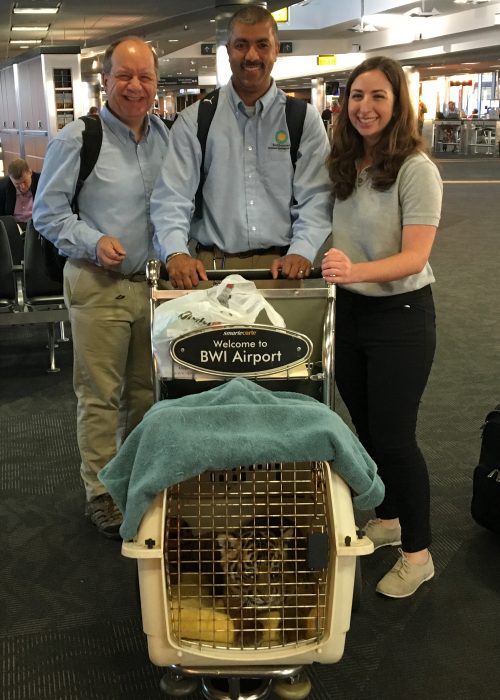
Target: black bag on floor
485,505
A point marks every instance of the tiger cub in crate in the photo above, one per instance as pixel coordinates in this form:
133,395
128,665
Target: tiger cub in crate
259,574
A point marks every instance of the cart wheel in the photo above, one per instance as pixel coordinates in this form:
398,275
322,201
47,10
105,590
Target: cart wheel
177,685
295,688
358,586
234,688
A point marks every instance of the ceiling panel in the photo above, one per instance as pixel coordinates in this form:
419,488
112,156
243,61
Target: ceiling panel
93,24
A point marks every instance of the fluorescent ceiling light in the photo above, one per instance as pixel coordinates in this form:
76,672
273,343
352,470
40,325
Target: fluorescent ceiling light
497,18
31,29
35,10
25,41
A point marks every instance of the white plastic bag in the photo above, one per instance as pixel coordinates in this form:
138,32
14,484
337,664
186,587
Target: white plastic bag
235,301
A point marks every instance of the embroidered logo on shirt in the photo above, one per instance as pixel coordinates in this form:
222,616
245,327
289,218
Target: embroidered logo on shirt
280,141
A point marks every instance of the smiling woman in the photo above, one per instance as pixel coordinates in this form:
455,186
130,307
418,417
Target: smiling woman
388,205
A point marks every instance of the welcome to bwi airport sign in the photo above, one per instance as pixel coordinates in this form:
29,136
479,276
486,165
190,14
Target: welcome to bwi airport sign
241,350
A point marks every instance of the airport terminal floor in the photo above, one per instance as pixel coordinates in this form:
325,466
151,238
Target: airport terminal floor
70,617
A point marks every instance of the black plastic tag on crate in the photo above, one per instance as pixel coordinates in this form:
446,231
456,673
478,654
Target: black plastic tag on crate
318,548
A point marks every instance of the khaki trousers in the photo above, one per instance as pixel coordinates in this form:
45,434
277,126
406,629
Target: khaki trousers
112,375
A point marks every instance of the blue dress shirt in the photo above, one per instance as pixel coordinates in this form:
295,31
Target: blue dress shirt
250,182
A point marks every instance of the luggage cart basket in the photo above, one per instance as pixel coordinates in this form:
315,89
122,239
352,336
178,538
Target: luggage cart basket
246,575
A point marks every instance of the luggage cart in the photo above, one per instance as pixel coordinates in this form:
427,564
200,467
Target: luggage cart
247,574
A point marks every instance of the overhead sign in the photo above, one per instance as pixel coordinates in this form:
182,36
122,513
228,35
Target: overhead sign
182,80
241,350
208,49
280,15
327,60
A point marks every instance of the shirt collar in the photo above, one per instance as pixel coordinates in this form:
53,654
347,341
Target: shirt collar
262,105
121,130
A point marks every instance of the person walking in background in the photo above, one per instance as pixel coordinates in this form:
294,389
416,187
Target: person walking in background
107,247
326,116
258,210
387,209
17,191
422,111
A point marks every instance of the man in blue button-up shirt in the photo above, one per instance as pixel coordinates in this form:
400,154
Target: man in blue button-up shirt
257,210
107,248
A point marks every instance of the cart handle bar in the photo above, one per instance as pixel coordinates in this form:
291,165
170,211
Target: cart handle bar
154,270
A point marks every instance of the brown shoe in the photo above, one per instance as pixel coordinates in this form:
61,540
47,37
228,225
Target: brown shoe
105,515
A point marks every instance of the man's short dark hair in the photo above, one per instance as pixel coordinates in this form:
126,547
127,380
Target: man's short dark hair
252,14
108,54
17,168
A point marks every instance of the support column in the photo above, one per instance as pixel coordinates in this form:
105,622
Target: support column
318,94
223,13
413,78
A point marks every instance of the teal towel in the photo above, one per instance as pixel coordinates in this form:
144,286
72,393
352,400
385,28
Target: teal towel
238,422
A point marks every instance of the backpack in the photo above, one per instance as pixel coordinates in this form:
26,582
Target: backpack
295,114
485,505
91,147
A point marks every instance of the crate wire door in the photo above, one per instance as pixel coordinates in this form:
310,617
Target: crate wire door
237,556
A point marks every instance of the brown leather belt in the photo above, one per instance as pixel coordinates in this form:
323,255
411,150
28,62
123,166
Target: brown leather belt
273,250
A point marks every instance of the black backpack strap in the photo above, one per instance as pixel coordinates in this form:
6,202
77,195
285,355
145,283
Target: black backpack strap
89,153
206,111
295,113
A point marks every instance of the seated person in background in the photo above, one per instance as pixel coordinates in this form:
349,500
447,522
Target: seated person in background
17,191
453,112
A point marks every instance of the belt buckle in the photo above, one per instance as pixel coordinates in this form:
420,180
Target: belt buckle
218,255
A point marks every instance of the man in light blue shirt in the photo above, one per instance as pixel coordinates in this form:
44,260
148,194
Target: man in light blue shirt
107,247
257,210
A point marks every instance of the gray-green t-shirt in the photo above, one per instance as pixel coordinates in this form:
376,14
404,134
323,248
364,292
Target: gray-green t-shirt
368,224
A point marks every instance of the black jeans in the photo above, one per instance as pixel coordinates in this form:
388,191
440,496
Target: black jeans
384,348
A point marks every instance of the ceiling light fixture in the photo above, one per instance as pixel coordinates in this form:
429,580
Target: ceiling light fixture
45,28
363,26
470,2
35,10
422,12
25,41
172,41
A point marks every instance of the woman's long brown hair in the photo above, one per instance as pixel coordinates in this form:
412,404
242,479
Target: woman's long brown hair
398,140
